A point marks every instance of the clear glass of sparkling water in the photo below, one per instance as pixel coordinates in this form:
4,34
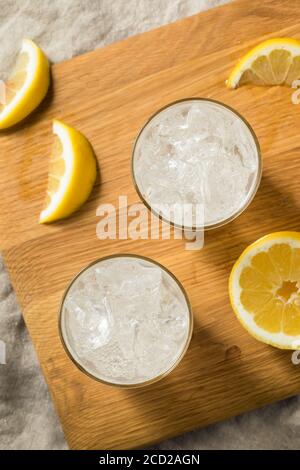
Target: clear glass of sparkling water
197,153
125,320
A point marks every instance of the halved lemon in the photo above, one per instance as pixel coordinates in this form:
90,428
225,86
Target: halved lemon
27,85
72,173
272,62
264,288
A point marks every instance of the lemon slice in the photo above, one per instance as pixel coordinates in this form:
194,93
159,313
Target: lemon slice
26,86
273,62
72,173
264,288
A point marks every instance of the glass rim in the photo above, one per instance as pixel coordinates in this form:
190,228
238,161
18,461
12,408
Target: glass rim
250,196
107,382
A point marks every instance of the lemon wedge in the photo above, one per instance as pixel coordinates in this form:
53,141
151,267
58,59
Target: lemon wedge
264,288
72,173
26,86
272,62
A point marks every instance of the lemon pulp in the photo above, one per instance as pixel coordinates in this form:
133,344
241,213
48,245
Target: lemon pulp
27,85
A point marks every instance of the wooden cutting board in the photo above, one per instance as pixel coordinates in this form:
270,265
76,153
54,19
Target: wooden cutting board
108,94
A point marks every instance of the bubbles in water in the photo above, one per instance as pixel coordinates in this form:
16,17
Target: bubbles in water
197,152
125,320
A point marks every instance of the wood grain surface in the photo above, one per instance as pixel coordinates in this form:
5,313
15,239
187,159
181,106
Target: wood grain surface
108,94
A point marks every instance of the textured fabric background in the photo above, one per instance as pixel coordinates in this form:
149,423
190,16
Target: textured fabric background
65,28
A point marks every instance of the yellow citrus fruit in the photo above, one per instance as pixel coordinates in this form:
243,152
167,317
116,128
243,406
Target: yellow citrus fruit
72,173
264,288
272,62
26,86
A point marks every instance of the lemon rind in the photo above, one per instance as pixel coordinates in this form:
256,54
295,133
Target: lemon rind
290,44
62,132
278,340
35,55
